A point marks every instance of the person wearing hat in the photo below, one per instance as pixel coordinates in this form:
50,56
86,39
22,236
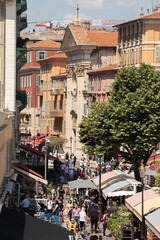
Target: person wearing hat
82,236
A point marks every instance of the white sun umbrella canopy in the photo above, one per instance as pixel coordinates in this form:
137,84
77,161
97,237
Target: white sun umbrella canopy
80,183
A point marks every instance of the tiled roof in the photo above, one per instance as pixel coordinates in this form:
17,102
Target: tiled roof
103,38
58,56
155,15
80,34
99,70
45,44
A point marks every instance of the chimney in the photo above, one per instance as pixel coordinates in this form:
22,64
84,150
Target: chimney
159,8
142,13
147,11
155,9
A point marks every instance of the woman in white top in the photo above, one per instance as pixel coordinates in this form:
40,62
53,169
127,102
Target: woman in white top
49,205
82,218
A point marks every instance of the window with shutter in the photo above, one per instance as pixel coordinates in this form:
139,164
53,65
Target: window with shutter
37,55
157,54
30,80
21,82
45,54
37,81
121,58
30,57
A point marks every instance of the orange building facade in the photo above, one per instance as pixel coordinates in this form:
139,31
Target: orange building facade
51,96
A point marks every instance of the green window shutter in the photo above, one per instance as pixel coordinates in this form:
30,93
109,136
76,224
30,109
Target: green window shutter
37,55
45,54
157,54
37,81
121,58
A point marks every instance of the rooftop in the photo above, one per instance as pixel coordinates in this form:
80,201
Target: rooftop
100,70
45,44
103,38
58,56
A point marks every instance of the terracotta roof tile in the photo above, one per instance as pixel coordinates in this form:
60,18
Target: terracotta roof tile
45,44
58,56
155,15
80,34
103,38
99,70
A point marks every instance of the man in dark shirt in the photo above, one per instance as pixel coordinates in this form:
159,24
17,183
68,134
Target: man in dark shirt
93,214
61,192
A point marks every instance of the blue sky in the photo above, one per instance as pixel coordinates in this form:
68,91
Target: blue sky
40,10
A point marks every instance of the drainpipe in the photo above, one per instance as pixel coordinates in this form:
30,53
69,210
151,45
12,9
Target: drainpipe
4,51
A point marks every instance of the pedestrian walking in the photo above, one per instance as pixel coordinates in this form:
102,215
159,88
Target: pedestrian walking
61,209
56,208
49,205
75,159
75,214
105,222
93,214
61,192
82,218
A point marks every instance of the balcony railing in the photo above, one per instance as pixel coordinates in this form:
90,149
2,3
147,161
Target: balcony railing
58,113
91,90
23,22
108,89
21,6
55,91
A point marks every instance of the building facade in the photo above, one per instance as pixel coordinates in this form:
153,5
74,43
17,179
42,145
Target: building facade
86,50
30,82
51,96
139,41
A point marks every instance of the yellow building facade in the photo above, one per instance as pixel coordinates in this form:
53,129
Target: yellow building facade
51,96
139,40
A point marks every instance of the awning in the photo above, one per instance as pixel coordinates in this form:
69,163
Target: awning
34,138
120,193
28,148
80,183
19,226
151,202
152,220
30,175
29,170
150,172
108,179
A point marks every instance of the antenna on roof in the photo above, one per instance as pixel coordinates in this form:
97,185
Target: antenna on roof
77,10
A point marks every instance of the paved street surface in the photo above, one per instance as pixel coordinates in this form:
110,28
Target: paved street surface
88,226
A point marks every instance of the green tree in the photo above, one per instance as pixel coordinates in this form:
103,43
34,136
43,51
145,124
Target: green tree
134,112
157,177
95,130
56,143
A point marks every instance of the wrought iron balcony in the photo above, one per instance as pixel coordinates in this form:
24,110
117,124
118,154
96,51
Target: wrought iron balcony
23,22
58,113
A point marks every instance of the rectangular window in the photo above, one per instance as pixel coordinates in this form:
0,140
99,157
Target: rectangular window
141,30
157,54
132,56
21,82
137,31
27,57
124,35
30,57
109,80
136,55
132,32
104,80
38,81
25,82
41,55
125,56
120,35
128,33
140,54
30,80
128,56
121,58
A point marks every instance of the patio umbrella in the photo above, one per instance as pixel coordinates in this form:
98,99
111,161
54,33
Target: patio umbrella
80,183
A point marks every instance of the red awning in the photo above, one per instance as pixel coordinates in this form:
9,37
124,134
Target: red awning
37,152
154,166
29,170
39,141
34,138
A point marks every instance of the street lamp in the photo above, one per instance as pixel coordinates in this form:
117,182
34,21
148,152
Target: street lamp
142,175
100,191
71,144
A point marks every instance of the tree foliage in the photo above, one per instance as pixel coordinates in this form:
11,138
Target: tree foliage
95,130
157,177
56,143
131,119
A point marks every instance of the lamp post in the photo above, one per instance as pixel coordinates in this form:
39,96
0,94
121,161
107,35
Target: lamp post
100,191
142,175
71,144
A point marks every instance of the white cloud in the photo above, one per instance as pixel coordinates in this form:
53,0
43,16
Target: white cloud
88,4
126,3
69,2
71,16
